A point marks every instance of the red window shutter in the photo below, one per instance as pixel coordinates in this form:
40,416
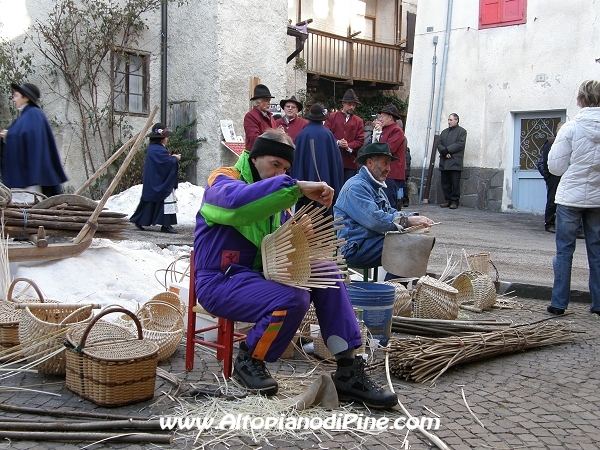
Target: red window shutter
513,10
490,12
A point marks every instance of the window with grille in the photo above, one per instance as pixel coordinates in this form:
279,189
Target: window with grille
500,13
131,82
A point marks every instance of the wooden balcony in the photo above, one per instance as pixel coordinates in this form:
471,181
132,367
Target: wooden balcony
352,59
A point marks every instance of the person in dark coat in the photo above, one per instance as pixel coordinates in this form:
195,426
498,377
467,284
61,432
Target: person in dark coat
451,147
158,205
259,119
30,158
326,162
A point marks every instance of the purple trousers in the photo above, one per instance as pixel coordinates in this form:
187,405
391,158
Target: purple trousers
277,310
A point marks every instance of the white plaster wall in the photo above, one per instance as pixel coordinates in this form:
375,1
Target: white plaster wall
491,73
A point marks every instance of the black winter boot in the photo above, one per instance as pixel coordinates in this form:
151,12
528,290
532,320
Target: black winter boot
353,384
253,373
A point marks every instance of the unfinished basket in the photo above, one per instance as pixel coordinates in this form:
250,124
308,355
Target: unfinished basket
302,252
402,300
476,291
322,351
310,318
10,316
435,299
47,320
162,323
478,262
114,372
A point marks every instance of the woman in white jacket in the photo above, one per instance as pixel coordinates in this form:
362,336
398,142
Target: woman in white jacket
575,156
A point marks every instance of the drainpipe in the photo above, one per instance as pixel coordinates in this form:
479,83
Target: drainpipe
430,115
163,68
441,94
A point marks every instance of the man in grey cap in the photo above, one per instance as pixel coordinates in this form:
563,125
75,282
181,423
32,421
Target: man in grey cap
259,119
366,212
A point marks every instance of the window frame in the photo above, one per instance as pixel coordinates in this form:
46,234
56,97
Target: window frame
121,54
505,19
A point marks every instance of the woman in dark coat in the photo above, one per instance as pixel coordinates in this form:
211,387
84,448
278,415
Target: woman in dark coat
158,205
30,158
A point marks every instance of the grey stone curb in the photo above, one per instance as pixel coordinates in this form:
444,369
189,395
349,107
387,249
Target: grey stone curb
540,292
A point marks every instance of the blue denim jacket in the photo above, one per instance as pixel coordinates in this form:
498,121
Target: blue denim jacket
365,210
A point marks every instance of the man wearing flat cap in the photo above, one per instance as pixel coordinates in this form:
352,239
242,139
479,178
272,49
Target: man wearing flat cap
290,122
392,134
241,205
349,131
259,119
366,212
30,158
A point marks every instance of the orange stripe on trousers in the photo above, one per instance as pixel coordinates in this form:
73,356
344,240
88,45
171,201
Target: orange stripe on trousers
270,334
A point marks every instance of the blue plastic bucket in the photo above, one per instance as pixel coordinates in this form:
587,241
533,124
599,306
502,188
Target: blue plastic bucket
377,302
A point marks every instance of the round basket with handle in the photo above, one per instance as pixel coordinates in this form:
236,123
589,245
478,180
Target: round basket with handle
112,370
172,298
10,316
162,323
42,330
435,299
476,291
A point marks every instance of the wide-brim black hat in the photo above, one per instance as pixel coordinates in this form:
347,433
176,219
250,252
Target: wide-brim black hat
28,90
316,113
350,97
375,149
159,130
261,91
391,110
293,100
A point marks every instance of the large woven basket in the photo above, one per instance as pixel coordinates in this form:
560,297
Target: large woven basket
42,321
10,316
172,298
435,299
476,291
108,370
402,299
322,351
162,323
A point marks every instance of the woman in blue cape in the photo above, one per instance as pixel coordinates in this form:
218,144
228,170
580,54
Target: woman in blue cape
158,205
30,158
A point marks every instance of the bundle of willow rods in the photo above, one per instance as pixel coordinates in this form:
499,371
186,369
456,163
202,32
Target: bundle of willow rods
423,359
438,327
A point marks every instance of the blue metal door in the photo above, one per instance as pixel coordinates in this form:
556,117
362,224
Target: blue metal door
531,132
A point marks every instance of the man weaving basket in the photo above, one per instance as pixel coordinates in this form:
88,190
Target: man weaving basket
241,205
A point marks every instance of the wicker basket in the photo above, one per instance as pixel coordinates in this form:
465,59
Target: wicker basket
435,299
172,298
402,300
478,262
116,372
10,316
162,323
323,352
38,322
476,291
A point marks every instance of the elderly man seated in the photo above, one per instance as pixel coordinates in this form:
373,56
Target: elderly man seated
366,212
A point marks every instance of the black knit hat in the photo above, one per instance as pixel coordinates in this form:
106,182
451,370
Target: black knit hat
350,97
263,146
28,90
316,113
261,91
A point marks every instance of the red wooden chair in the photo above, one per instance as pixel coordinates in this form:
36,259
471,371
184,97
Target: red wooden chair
226,334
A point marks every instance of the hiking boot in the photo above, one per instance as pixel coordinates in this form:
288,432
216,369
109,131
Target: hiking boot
353,384
253,373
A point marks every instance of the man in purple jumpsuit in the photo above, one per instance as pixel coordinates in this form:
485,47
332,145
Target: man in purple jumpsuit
241,205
